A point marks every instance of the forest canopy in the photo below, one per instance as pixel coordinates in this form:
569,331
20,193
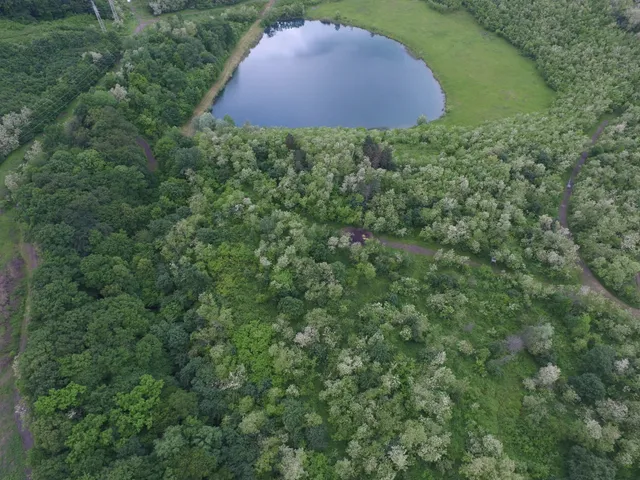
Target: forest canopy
30,10
229,315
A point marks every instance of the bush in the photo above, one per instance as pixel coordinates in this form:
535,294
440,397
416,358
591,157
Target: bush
599,360
589,387
583,465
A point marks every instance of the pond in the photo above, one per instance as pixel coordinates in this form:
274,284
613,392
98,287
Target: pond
313,74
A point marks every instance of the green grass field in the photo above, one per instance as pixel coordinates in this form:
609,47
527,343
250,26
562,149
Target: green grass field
483,76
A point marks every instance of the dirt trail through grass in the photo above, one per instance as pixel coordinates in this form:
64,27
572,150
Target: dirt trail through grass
14,436
30,258
248,41
142,24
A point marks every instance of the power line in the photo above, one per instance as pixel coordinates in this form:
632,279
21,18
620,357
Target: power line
95,10
114,11
65,99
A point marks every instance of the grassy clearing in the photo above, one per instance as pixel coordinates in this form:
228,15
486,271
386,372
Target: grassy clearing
13,458
483,77
9,236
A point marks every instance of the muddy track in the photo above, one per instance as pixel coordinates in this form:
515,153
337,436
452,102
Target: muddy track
142,24
30,257
152,163
10,279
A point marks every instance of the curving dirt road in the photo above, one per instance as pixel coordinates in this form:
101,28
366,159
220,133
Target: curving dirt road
588,278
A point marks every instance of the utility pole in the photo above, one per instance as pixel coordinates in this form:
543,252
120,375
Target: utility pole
114,11
95,9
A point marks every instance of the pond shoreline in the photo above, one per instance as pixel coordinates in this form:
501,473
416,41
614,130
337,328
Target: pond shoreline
389,36
248,41
310,73
253,37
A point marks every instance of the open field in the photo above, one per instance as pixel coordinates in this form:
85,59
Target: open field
483,77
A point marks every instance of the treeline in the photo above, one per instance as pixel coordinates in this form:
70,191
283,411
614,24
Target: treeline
30,10
168,69
287,10
592,67
164,6
43,76
445,6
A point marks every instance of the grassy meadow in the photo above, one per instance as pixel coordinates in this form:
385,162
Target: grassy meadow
482,75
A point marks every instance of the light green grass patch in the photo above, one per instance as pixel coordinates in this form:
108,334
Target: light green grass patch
482,75
9,236
13,458
27,32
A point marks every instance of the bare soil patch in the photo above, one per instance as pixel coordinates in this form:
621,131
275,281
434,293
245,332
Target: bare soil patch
152,163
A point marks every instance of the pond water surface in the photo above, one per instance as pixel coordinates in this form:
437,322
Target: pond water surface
312,74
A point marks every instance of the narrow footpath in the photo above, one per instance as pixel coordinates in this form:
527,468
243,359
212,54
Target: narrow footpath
248,41
30,257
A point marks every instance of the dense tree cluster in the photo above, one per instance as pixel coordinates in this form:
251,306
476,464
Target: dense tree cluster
45,74
167,69
445,5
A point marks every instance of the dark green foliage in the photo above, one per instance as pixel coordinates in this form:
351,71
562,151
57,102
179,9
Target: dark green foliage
171,72
584,465
29,10
47,73
599,360
589,387
292,307
164,6
380,157
445,5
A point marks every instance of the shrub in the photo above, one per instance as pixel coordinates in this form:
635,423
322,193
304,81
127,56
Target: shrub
589,387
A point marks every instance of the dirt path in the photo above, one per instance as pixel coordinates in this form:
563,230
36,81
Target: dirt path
568,189
359,235
30,257
248,41
588,278
417,249
11,405
152,163
142,24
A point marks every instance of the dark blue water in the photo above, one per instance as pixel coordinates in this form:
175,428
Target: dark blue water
317,75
